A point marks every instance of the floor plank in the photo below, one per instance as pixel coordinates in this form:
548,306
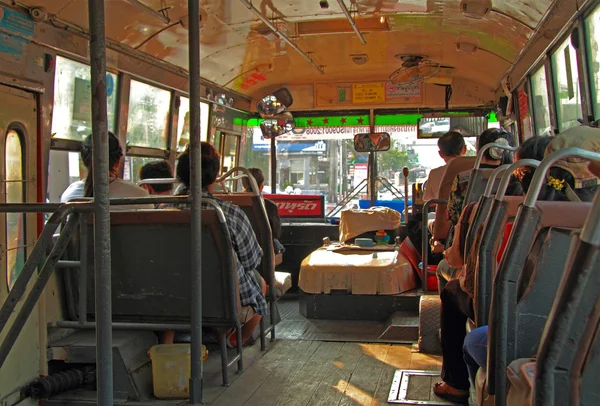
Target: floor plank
330,390
398,357
421,361
307,379
365,379
280,377
255,375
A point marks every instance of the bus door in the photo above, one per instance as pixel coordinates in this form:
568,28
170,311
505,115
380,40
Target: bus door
18,232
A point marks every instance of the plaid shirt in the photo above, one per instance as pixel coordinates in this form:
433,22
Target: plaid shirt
245,245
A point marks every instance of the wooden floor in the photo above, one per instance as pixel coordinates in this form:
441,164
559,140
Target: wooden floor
302,372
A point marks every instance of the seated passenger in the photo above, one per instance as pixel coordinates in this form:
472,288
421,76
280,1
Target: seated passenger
451,145
270,206
457,302
492,158
157,170
252,287
565,183
117,187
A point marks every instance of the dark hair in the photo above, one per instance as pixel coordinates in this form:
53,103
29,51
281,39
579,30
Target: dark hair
211,163
533,148
258,176
490,136
549,193
157,170
451,144
115,153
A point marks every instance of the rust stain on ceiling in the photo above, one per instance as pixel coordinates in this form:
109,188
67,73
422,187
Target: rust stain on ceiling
236,45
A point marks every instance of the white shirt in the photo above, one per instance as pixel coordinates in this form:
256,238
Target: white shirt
116,188
434,180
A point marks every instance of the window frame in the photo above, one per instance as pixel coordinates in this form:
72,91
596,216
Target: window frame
553,50
125,128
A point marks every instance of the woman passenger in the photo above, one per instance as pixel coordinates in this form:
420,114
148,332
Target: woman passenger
492,158
117,187
457,296
252,287
568,180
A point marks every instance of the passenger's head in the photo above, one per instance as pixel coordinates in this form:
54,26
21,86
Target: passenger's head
157,170
533,148
494,155
210,166
258,176
115,156
571,178
451,145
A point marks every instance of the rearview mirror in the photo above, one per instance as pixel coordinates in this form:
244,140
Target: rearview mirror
273,127
372,142
435,127
275,103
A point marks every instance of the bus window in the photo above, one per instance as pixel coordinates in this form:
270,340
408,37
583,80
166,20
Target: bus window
541,105
133,164
72,111
148,123
592,27
15,222
566,86
65,167
229,152
183,125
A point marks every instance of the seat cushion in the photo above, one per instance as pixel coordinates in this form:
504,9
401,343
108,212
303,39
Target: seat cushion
283,283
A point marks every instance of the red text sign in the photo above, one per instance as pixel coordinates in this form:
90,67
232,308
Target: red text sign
299,206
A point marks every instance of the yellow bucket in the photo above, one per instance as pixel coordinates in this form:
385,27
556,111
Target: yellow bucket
171,370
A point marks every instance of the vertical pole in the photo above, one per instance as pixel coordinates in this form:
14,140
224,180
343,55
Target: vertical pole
372,172
101,168
273,167
405,173
196,196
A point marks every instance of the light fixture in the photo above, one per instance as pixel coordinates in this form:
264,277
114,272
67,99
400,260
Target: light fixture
466,47
382,20
475,8
359,59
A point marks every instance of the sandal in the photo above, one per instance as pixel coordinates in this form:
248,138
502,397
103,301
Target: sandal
445,391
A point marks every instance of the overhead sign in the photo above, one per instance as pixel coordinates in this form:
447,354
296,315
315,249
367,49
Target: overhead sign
406,93
299,206
368,93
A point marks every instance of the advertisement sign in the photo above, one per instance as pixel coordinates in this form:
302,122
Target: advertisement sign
368,93
408,93
299,206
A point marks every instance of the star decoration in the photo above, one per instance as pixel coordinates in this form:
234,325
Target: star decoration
343,120
325,120
360,120
309,122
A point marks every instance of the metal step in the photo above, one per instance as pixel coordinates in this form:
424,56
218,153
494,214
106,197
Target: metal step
402,326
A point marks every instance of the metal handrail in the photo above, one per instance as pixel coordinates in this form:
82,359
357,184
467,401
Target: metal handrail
76,212
32,298
246,173
540,175
488,146
504,182
489,188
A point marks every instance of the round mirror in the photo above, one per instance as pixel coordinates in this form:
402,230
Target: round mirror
273,127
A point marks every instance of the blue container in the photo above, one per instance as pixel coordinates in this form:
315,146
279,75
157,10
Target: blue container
397,205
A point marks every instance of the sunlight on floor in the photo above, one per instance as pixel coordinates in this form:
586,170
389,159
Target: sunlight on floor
356,394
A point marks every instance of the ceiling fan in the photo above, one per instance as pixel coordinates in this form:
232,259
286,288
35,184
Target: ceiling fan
415,69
